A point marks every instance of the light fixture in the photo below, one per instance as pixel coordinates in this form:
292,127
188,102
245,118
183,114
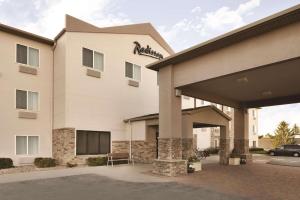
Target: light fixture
242,80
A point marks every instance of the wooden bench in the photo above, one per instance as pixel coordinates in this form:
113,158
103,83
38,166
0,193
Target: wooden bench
111,157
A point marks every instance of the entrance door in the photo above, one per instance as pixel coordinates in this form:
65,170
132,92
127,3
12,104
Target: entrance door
157,135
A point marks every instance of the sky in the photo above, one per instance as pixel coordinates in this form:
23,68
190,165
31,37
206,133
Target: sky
182,24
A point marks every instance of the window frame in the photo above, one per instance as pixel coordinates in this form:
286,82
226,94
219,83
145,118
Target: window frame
133,71
86,132
93,68
254,114
27,136
27,46
254,129
27,96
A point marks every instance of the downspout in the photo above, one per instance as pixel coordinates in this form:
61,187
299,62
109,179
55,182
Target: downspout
130,141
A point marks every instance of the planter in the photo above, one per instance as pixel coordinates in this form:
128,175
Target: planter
197,166
234,161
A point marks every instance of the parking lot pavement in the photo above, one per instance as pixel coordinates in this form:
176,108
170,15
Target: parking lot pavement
254,181
277,160
91,186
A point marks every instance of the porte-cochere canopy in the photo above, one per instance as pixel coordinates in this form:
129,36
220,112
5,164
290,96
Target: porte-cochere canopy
254,66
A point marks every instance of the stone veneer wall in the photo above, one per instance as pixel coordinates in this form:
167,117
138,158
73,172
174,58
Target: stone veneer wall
187,148
169,148
224,151
170,167
241,146
63,144
120,147
142,151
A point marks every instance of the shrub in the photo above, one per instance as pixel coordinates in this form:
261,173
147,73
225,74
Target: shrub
256,149
212,150
6,163
71,165
96,161
44,162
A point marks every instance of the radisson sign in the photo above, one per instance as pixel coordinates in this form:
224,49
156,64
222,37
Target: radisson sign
146,51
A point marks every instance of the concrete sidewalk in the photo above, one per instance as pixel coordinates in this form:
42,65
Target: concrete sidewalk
137,173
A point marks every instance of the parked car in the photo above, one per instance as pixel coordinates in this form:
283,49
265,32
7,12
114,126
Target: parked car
286,150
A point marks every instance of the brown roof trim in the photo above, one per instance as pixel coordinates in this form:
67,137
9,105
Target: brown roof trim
24,34
76,25
59,34
264,25
184,112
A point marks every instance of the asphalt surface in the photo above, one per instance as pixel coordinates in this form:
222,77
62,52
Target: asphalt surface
91,186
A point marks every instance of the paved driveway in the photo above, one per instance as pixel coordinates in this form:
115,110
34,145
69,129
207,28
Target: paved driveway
91,186
277,160
258,180
252,181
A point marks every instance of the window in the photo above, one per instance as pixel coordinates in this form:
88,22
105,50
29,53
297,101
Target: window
254,129
27,55
133,71
216,143
92,59
186,97
27,145
253,114
27,100
92,142
254,144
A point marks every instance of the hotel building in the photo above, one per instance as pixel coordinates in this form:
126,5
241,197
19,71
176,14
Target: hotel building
80,94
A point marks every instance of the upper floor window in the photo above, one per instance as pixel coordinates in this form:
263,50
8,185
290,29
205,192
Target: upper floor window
254,130
27,55
27,100
92,59
133,71
253,114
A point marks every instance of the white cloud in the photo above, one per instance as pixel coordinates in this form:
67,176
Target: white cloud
226,18
49,16
197,9
208,25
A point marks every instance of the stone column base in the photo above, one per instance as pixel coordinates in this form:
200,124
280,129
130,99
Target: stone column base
241,146
170,167
224,152
187,148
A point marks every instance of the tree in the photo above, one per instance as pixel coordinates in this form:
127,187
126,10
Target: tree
295,130
283,135
268,135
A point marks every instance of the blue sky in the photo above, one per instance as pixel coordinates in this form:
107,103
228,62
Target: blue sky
182,23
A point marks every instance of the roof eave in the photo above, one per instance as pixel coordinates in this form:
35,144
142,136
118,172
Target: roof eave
25,34
272,22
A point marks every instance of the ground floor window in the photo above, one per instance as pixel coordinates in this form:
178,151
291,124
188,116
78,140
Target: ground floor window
92,142
254,144
27,145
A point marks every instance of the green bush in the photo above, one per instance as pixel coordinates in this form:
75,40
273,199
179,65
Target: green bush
6,163
44,162
256,149
96,161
